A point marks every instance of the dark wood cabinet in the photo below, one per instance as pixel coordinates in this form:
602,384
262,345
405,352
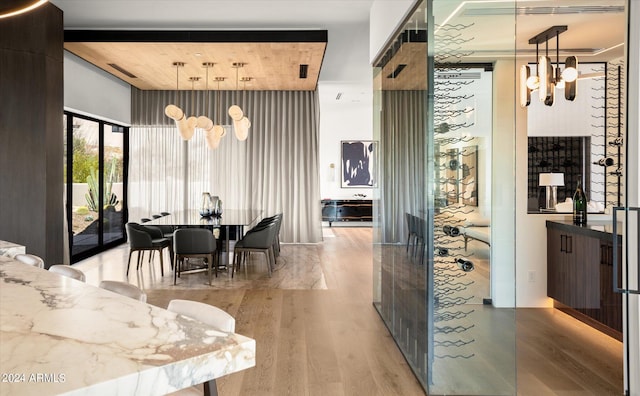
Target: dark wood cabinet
346,210
580,274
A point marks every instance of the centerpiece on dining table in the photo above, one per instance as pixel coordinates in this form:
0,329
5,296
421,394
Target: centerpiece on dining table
211,206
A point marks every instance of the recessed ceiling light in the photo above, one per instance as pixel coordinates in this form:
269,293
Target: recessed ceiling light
197,54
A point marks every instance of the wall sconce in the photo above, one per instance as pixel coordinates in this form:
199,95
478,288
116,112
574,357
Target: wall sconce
551,181
548,78
332,172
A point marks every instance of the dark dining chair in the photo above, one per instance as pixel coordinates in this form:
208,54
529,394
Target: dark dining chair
147,238
261,240
194,243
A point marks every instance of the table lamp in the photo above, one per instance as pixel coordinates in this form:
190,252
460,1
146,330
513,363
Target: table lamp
551,181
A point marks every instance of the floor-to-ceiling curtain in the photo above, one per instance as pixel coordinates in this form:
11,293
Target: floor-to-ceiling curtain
402,137
276,169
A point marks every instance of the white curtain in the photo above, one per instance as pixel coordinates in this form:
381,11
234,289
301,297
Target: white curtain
276,169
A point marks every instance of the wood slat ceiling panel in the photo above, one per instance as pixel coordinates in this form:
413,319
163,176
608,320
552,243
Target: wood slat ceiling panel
272,66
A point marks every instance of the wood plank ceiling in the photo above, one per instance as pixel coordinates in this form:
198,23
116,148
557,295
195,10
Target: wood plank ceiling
272,60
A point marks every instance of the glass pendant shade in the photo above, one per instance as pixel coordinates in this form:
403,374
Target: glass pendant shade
183,128
533,83
545,72
212,137
173,112
525,91
241,128
204,122
570,72
236,113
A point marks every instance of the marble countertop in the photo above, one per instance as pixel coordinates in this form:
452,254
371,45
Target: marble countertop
62,336
10,249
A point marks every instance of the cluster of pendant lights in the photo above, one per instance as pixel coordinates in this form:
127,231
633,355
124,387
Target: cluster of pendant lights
213,133
548,78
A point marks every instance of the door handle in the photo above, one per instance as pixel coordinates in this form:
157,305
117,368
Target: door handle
625,289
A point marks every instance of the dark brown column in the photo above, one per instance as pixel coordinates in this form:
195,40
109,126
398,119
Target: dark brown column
31,132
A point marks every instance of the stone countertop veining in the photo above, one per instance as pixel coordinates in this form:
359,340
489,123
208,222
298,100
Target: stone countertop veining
10,249
62,336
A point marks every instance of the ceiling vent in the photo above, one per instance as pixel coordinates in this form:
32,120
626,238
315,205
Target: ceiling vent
121,70
303,71
543,10
397,71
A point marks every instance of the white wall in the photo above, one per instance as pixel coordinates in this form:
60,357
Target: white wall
350,116
91,91
385,18
503,232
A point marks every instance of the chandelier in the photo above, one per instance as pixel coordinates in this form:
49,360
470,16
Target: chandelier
213,132
549,78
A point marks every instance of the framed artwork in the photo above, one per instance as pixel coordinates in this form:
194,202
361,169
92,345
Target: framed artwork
359,163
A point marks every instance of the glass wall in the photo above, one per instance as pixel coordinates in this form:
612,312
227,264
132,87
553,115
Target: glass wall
435,96
95,178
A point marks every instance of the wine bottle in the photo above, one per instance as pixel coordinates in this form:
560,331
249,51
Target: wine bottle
579,205
441,251
465,265
451,230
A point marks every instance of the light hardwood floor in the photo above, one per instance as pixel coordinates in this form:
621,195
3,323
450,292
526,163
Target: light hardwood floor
317,332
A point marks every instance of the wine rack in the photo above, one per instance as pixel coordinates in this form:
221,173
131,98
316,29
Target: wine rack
557,154
456,175
615,133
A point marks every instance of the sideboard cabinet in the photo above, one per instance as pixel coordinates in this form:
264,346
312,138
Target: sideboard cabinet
580,274
334,210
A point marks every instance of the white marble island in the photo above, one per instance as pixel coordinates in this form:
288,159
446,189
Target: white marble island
61,336
10,249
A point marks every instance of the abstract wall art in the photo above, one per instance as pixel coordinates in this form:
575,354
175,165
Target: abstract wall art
359,163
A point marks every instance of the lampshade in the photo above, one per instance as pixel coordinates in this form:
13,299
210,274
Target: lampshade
570,73
173,112
236,113
525,91
241,128
551,179
204,122
212,137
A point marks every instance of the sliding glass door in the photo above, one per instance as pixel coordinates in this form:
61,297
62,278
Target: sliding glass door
95,179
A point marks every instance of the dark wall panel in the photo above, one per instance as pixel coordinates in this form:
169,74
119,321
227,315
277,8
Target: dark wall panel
31,133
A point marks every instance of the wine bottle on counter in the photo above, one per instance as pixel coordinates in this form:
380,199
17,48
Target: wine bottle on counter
579,205
465,264
451,230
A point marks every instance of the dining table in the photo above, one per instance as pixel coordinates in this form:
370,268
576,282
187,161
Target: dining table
232,222
62,336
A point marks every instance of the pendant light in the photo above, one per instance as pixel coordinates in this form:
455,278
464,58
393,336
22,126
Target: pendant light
205,122
548,78
241,127
176,113
192,121
241,124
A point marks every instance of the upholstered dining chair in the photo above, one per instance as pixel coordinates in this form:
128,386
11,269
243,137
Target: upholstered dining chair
147,238
68,271
205,313
260,240
30,259
124,288
277,219
194,243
